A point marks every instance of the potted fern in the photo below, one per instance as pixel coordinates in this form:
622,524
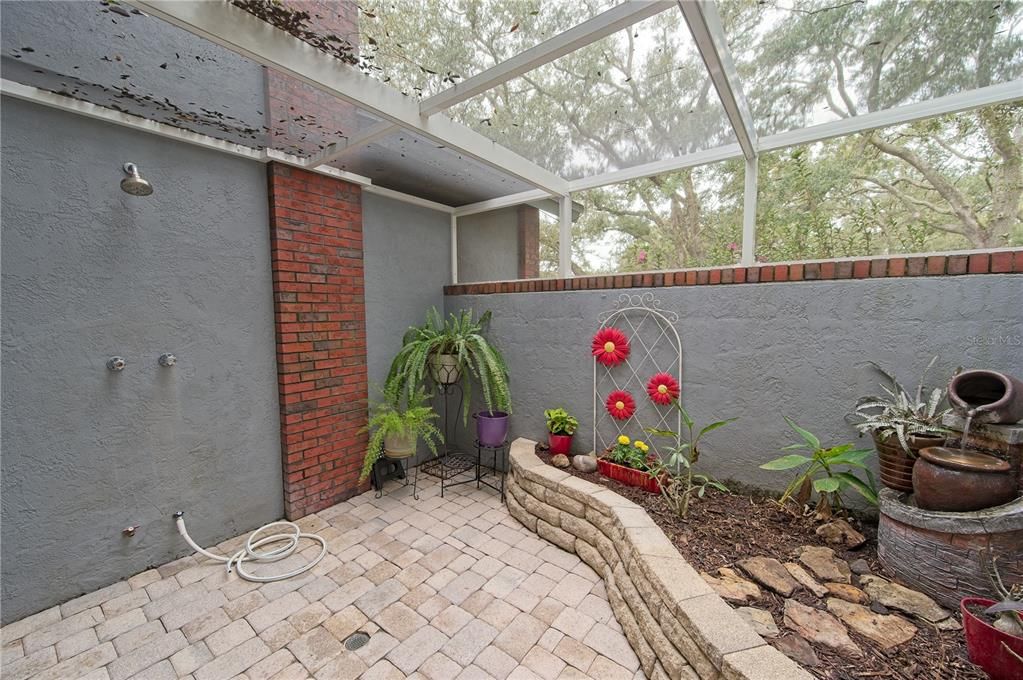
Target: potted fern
449,351
396,431
901,424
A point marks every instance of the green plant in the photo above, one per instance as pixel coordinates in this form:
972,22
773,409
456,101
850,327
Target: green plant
389,419
900,414
819,471
559,422
461,337
675,475
1008,611
631,454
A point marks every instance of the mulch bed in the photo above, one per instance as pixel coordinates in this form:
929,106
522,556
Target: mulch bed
722,529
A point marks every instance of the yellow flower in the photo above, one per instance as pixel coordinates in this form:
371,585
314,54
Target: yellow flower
622,439
641,446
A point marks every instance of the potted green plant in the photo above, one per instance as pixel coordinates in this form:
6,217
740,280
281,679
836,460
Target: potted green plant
447,351
395,430
901,424
994,630
560,428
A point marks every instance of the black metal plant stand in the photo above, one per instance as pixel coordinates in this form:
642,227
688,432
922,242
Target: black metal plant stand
452,463
498,453
387,468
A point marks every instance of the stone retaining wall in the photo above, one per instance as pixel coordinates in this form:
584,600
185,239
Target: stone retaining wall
677,625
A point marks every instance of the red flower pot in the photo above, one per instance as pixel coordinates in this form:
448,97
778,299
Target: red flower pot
987,645
559,443
628,476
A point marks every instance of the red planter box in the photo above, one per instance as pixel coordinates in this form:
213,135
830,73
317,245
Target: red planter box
987,646
628,476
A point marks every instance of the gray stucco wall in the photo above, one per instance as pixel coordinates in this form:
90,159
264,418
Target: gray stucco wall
761,351
488,246
90,272
407,251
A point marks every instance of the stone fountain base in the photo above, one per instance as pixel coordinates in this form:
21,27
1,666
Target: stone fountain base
941,553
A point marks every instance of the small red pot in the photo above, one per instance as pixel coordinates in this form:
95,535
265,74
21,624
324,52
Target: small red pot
628,476
986,644
559,443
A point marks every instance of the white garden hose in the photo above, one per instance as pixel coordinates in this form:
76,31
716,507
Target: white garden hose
250,553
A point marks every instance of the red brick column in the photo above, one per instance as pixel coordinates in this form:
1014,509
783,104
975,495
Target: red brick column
320,326
529,242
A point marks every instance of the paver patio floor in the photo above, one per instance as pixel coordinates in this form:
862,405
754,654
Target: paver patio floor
446,588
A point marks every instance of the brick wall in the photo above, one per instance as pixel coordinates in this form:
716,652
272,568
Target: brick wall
320,325
948,264
529,242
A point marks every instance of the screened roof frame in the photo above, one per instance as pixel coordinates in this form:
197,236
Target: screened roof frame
246,34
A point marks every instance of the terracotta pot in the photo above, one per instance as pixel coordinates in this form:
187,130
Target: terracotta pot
628,476
989,647
397,448
987,396
895,464
950,480
444,369
559,443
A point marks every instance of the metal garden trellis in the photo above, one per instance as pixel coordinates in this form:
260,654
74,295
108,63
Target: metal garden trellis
641,315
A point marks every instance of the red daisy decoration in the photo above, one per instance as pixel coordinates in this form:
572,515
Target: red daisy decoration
610,346
620,405
662,388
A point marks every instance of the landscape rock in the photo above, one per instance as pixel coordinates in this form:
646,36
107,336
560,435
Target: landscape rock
824,565
879,608
771,573
948,624
760,619
559,460
820,627
804,579
797,649
841,532
888,631
584,463
849,593
859,567
903,599
731,586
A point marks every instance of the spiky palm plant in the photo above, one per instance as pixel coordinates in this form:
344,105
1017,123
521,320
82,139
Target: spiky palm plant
461,337
900,414
389,419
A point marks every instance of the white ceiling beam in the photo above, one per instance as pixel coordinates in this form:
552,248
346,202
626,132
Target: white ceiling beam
604,24
689,160
705,25
339,150
250,36
953,103
501,202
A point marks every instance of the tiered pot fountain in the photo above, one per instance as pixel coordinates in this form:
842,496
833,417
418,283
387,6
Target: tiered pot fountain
966,499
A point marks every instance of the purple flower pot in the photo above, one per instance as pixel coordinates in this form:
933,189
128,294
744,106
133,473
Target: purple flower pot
491,427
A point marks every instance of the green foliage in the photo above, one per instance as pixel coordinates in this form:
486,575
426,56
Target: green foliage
389,419
821,471
631,454
559,422
462,337
900,414
675,475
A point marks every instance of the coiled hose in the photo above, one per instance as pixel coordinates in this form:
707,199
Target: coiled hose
250,552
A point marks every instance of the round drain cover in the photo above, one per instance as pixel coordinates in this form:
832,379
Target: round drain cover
356,641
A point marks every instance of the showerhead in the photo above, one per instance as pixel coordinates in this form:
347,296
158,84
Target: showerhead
134,184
